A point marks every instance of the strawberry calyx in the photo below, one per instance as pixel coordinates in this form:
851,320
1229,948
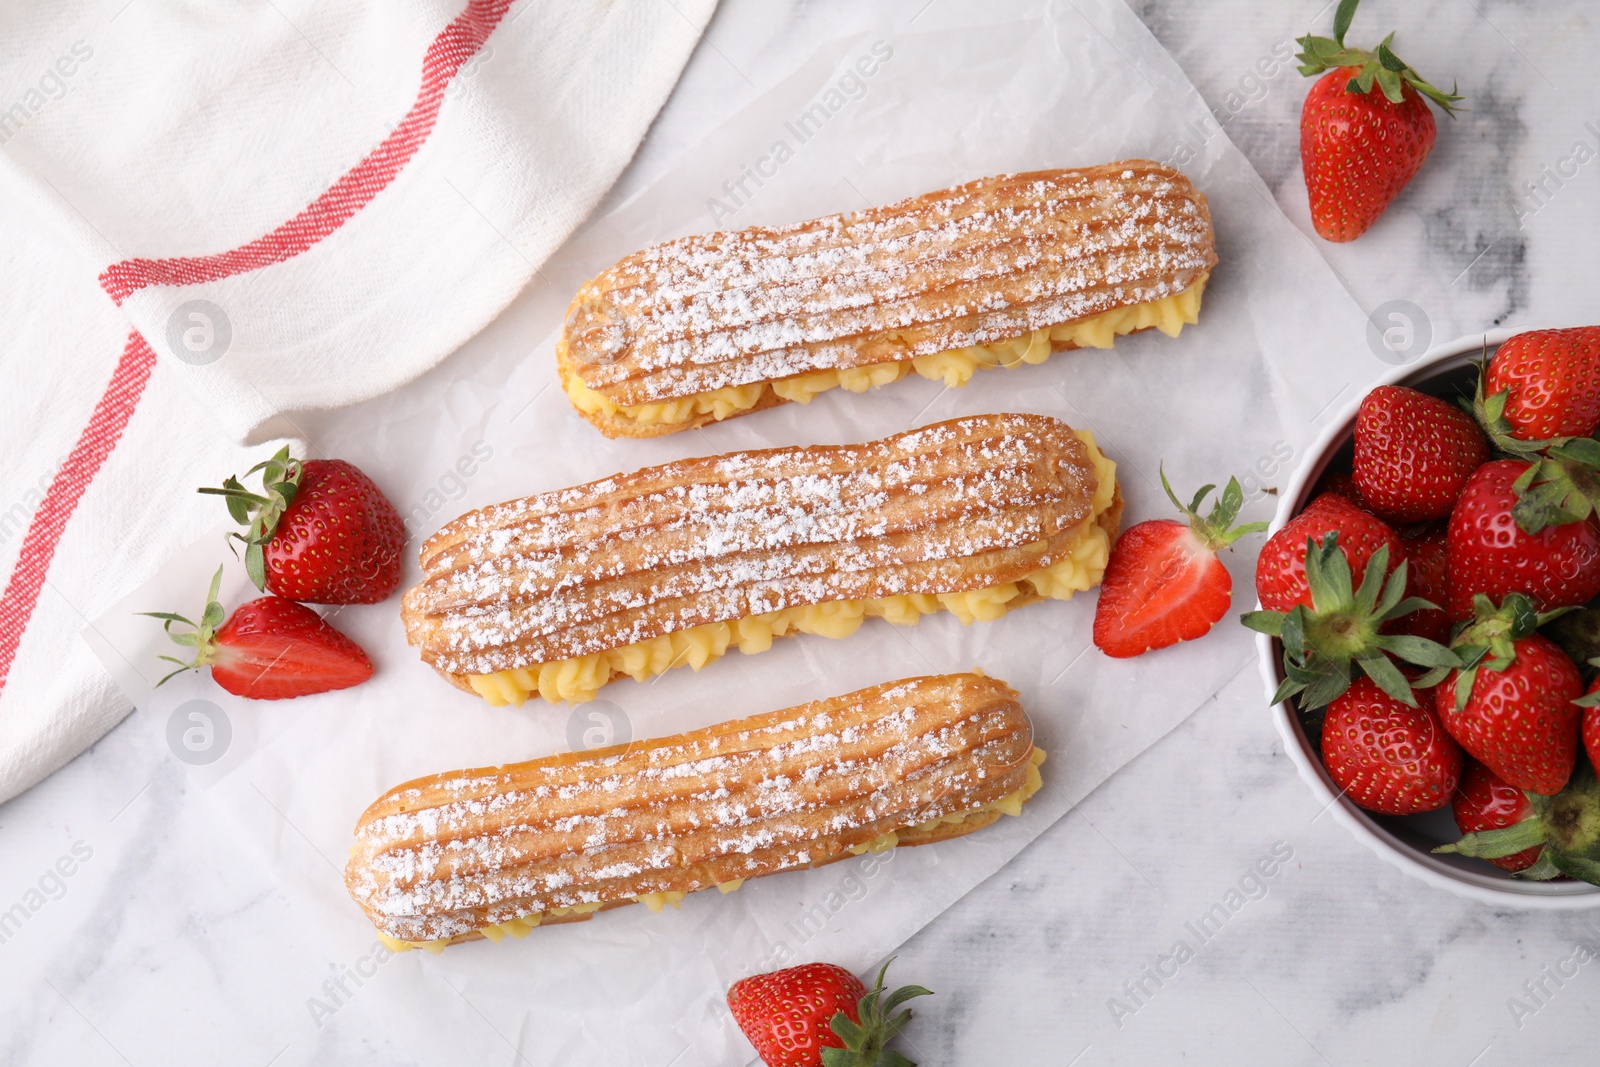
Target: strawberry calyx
1215,530
865,1041
1567,824
1380,66
1340,634
259,512
1561,487
201,636
1490,639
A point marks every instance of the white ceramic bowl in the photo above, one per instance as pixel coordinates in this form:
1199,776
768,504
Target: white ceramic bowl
1404,842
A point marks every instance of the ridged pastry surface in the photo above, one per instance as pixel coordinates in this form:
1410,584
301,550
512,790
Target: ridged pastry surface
981,262
447,855
955,506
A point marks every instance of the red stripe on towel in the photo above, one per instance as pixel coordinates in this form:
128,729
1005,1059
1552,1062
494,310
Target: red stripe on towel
444,58
110,418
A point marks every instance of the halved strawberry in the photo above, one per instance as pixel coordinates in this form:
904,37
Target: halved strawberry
269,648
1485,802
1388,756
1281,566
1511,705
319,531
1164,582
1413,453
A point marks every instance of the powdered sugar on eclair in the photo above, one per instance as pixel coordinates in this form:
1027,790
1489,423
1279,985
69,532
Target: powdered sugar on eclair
956,506
982,262
447,855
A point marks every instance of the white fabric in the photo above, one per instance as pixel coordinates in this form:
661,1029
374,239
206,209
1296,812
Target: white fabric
172,129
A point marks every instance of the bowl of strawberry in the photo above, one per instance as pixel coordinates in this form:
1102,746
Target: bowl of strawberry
1429,619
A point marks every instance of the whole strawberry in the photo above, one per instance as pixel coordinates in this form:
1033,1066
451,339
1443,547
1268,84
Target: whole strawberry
1413,453
820,1015
269,649
1281,566
320,531
1339,483
1428,578
1348,631
1484,802
1164,583
1563,830
1591,721
1551,379
1489,553
1387,756
1511,705
1365,128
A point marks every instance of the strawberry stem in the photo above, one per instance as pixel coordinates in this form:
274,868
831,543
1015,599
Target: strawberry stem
259,512
1380,67
1491,638
1216,530
1562,487
201,635
1493,844
865,1041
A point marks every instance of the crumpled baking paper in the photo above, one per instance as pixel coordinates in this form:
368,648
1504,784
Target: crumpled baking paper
961,93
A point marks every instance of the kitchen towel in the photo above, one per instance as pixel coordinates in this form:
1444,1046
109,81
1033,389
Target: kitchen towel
221,216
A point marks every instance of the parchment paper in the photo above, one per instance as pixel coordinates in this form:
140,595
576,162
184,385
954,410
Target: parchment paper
962,93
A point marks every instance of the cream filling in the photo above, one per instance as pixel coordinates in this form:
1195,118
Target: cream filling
1080,567
1169,314
1010,804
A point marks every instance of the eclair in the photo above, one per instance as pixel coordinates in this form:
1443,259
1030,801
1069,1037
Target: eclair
498,851
558,594
999,272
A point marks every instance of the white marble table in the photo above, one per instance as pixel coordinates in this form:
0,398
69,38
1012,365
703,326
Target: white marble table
1071,955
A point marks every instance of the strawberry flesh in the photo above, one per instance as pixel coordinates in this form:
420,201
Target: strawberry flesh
1162,585
272,648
